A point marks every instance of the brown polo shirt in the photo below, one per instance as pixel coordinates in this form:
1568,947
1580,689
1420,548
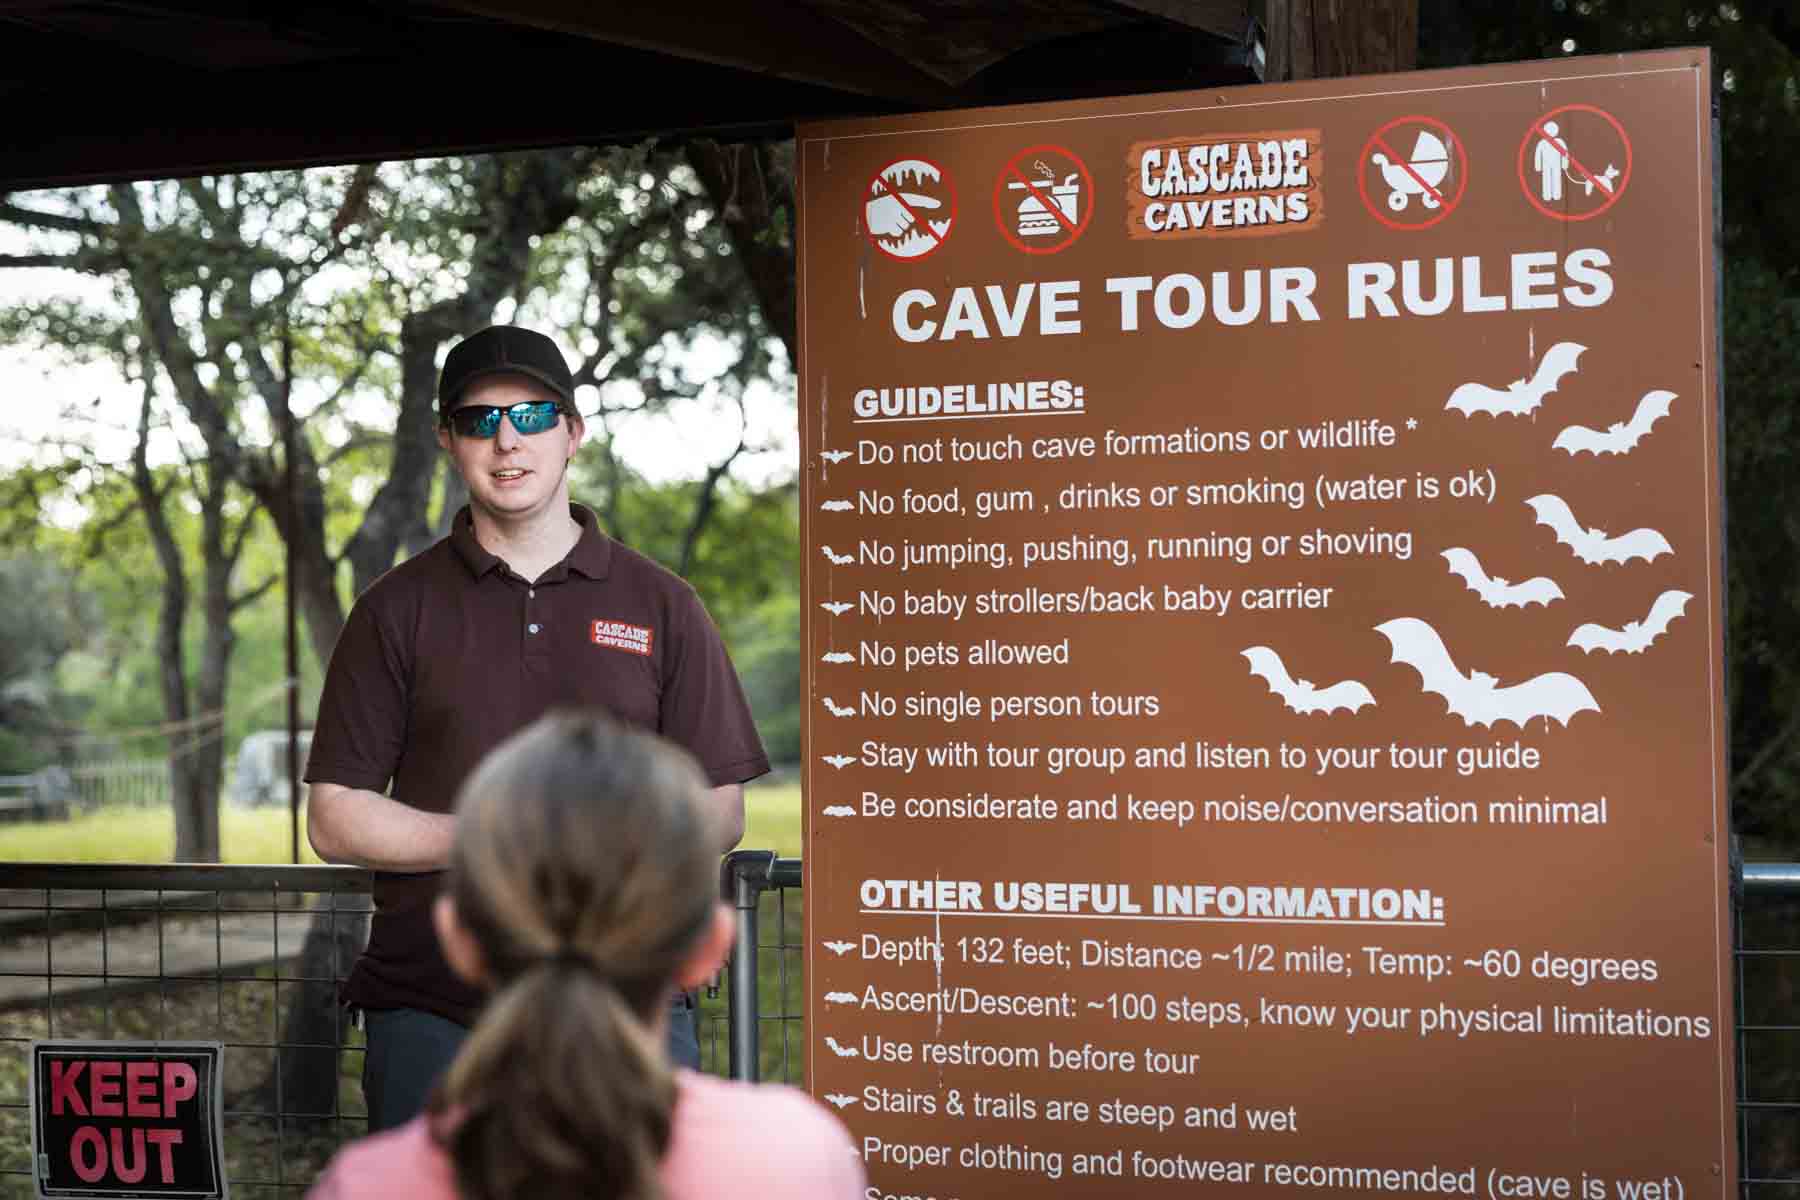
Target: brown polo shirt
450,653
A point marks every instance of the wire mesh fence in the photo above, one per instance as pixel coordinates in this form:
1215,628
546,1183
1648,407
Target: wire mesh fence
1768,1017
252,957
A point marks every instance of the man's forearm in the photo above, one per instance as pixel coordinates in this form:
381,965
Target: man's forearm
727,816
351,825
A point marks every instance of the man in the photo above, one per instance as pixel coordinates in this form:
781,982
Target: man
526,606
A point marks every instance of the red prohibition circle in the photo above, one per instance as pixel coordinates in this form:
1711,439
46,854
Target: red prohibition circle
1612,197
877,182
1071,233
1411,179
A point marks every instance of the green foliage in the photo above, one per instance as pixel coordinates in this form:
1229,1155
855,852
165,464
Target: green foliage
765,646
1762,444
44,618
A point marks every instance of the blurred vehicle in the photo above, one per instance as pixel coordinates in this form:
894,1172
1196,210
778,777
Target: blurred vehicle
260,779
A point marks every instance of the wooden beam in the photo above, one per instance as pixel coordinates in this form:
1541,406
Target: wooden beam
783,40
1222,18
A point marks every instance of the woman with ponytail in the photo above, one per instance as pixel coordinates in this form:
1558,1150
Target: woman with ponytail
580,897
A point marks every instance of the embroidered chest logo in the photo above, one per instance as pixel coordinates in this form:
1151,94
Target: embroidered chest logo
619,636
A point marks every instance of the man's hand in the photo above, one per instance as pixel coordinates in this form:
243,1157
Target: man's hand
350,825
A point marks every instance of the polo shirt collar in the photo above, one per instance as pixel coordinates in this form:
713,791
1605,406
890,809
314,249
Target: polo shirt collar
591,554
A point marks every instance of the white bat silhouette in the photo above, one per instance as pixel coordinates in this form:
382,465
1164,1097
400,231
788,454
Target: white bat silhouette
842,1051
1637,635
840,761
841,1100
1592,545
1473,696
839,948
839,810
836,608
836,506
1299,694
834,456
1497,592
1620,436
837,656
836,558
1518,397
836,709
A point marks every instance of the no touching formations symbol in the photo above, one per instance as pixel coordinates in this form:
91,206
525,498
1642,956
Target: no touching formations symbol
1621,436
910,208
1593,545
1474,697
1299,694
1497,592
1519,396
1637,635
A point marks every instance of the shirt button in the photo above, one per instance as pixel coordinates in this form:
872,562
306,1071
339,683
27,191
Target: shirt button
532,628
531,594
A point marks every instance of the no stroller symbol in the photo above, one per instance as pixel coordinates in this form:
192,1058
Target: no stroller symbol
1422,181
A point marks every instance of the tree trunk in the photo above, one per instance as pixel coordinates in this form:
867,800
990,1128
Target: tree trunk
1321,39
204,754
191,843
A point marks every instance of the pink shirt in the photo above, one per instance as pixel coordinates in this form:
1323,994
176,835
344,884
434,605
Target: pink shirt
729,1139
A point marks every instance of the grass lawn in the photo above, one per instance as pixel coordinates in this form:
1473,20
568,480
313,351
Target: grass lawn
128,834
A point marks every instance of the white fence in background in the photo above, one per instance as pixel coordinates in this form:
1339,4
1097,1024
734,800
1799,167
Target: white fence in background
143,782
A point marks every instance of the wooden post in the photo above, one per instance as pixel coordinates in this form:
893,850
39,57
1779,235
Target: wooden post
1319,39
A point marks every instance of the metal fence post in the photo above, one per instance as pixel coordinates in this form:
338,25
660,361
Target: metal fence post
745,873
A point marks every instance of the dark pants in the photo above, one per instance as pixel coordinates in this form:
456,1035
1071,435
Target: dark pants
408,1050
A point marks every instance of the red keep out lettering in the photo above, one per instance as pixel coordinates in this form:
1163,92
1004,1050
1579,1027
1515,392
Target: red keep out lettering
103,1088
65,1082
88,1154
179,1082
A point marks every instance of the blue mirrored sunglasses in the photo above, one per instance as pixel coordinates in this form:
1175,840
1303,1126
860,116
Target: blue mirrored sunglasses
483,420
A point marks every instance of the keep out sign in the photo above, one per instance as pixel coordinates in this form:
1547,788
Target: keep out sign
126,1119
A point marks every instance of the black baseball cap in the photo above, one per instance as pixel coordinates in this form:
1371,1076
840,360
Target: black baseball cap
499,349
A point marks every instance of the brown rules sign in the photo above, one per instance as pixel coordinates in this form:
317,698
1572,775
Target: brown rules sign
1264,717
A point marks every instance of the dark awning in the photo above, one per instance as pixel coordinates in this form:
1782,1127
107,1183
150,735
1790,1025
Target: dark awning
112,89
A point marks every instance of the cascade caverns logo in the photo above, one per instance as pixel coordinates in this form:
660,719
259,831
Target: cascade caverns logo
1231,185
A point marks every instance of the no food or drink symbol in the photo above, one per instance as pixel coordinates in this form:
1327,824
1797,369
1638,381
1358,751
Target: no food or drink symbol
1575,162
910,208
1044,199
1412,173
